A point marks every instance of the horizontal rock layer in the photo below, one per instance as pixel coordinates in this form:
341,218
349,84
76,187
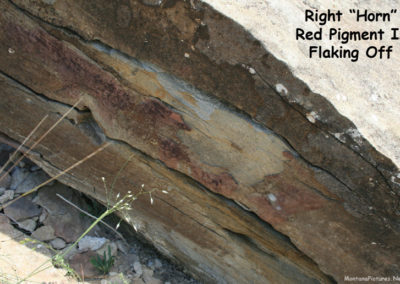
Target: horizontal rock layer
171,85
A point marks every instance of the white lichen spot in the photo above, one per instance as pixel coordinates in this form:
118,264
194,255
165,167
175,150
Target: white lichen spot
11,50
340,137
312,116
355,135
252,71
281,89
271,197
187,55
395,179
278,208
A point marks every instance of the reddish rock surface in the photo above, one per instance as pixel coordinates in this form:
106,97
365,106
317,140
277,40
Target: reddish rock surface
204,129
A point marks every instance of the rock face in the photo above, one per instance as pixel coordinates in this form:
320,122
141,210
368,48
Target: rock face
258,190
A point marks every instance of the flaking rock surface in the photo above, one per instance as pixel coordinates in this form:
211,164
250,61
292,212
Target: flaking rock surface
256,192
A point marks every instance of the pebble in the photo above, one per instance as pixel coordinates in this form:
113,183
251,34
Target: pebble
104,248
122,247
71,252
58,243
7,196
138,268
17,177
43,216
32,181
148,277
91,243
5,181
22,209
157,263
28,225
116,278
44,233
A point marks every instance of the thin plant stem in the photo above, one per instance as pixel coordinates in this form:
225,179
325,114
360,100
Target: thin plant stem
40,267
43,136
91,216
120,170
102,216
11,158
58,175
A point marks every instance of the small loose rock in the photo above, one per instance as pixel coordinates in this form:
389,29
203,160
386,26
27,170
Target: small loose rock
157,263
104,249
18,176
91,243
44,233
58,243
31,181
7,196
27,225
5,182
138,268
22,209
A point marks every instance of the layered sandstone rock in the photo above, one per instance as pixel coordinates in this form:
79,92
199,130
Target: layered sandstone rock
258,189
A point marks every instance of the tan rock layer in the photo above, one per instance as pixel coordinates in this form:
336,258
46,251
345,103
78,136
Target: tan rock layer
217,240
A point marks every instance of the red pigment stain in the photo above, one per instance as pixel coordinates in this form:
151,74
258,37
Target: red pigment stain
288,155
172,153
291,199
220,183
161,114
74,70
264,209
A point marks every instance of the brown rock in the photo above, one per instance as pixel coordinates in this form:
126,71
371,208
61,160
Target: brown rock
7,195
22,209
149,278
311,194
44,233
28,225
5,182
20,260
58,243
31,181
81,264
67,222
